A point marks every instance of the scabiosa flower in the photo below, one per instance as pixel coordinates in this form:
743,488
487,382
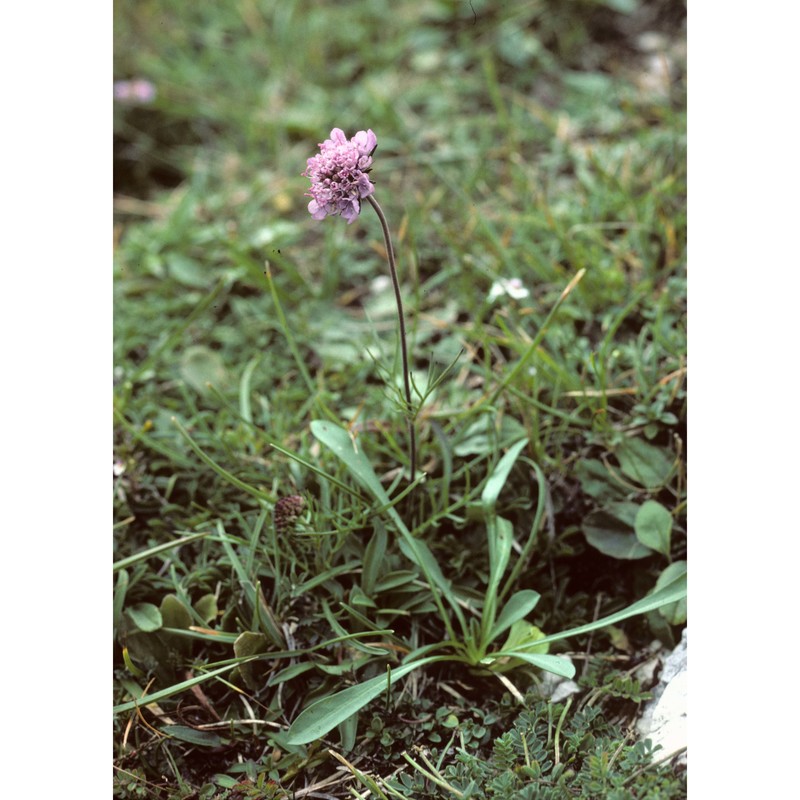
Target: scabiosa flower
339,183
338,175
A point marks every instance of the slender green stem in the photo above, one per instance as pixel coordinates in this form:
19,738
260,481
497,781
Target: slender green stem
403,346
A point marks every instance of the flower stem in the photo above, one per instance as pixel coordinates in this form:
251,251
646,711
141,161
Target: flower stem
403,348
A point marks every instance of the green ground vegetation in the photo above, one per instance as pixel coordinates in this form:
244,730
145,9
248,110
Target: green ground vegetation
290,616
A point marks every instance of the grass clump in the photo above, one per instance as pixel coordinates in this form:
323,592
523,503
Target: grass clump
281,590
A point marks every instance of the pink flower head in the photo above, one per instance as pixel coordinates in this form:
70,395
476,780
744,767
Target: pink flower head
338,175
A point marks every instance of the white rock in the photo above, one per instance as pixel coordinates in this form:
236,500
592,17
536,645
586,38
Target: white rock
665,716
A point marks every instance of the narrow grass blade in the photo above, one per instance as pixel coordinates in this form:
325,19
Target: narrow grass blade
671,593
315,469
245,408
313,389
328,574
154,551
177,688
447,463
223,473
175,337
204,634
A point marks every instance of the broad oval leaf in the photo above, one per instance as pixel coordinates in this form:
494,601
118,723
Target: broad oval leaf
250,643
653,526
644,463
145,616
201,366
206,607
613,536
174,613
598,482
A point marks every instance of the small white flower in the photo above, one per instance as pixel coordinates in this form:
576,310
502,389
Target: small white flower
380,284
512,287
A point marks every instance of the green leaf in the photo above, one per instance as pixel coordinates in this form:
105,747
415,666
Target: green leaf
187,271
200,366
250,643
500,534
481,438
654,526
145,616
252,592
347,732
671,592
325,714
421,555
292,671
608,530
120,590
519,605
527,549
157,697
193,736
358,598
674,613
497,480
174,613
396,580
644,463
555,664
159,548
373,560
338,440
523,632
206,607
597,481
